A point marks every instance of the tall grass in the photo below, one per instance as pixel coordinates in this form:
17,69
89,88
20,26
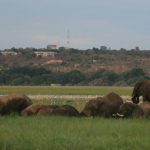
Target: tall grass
62,133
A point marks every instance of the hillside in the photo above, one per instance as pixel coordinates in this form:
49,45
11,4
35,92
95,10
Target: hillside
62,60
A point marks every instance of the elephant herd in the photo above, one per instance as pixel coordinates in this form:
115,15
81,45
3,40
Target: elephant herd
110,105
23,105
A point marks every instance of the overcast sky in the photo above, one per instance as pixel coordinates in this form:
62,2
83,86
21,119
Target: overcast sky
91,23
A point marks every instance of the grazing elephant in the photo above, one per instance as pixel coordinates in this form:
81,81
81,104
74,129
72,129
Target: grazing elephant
14,103
64,110
130,110
92,107
141,89
103,106
38,109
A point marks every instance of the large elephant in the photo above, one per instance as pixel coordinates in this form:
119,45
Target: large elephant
63,110
103,106
141,89
14,103
130,110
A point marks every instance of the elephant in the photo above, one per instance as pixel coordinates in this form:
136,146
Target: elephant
141,89
37,109
92,107
130,110
103,106
14,103
146,108
65,110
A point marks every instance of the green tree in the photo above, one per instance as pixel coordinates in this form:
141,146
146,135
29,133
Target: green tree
20,81
135,72
73,77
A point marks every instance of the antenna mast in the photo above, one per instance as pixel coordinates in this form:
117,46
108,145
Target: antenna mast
68,37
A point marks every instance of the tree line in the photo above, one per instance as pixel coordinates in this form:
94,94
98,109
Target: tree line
42,76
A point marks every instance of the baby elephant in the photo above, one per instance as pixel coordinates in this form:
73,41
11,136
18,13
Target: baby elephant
64,110
130,110
38,109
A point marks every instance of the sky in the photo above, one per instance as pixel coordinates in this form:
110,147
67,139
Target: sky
91,23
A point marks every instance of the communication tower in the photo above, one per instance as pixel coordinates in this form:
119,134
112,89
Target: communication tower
68,37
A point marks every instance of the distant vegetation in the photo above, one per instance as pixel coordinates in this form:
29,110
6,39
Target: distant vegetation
97,66
43,76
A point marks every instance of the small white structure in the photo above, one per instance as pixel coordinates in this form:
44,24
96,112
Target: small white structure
51,47
46,54
9,53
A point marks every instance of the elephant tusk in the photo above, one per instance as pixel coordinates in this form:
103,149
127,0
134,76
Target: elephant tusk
120,115
114,115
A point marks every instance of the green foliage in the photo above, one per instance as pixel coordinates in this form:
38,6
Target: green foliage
135,72
31,71
73,77
42,76
20,81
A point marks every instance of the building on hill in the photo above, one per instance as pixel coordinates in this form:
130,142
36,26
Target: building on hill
9,53
50,47
45,54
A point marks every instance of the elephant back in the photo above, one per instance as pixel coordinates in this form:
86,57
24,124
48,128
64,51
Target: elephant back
14,103
114,99
113,102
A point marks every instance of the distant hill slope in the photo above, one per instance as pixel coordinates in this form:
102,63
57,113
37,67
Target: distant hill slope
83,60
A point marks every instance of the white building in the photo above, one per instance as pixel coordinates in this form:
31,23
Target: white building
9,53
45,54
51,47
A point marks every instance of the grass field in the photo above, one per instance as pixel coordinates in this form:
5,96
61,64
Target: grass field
66,90
64,133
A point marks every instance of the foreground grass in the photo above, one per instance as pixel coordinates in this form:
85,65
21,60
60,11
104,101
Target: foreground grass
62,133
66,90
